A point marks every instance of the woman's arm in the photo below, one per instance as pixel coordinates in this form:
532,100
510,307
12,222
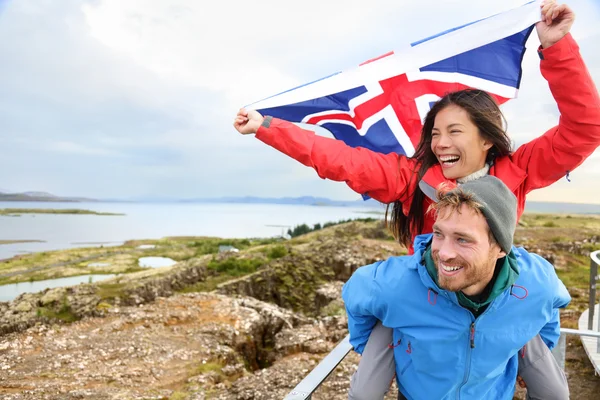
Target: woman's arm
383,177
564,147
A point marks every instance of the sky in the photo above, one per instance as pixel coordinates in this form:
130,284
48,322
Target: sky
136,98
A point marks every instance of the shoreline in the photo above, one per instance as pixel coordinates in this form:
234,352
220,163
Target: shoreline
16,212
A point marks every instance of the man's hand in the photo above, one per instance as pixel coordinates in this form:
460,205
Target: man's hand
556,22
247,121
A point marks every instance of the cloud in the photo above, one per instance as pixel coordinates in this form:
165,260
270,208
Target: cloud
121,98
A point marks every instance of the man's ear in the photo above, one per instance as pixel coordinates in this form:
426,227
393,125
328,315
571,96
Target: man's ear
501,254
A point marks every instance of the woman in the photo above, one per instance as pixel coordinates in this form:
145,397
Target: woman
462,138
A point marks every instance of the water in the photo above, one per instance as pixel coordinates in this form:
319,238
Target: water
9,292
156,262
153,221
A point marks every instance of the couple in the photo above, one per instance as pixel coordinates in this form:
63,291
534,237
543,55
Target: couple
463,138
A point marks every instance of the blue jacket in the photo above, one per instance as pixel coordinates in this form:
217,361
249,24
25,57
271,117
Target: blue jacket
441,350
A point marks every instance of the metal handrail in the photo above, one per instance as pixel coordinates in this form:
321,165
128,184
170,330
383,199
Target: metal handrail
308,385
594,277
313,380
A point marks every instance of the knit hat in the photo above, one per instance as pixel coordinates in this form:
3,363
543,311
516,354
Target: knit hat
499,207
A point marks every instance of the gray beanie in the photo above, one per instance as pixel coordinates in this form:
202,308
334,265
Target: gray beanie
499,207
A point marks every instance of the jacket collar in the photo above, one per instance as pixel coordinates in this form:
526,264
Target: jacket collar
420,245
503,168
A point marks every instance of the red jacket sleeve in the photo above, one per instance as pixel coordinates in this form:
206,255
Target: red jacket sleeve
382,177
564,147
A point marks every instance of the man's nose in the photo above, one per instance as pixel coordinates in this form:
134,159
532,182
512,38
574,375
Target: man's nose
446,251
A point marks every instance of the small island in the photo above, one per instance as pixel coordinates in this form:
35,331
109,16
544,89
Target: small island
15,212
20,241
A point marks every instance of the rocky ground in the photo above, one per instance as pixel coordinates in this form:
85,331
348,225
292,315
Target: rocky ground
252,336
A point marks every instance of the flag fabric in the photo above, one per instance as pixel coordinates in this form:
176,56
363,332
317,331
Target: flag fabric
380,105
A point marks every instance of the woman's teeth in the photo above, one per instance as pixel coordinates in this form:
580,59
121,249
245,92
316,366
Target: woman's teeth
449,160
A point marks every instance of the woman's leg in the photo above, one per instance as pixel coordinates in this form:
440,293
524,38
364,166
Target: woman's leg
376,368
544,378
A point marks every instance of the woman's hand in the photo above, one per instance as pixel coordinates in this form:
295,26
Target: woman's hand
556,22
247,121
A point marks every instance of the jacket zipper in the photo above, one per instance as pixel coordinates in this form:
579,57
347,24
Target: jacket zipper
469,352
471,345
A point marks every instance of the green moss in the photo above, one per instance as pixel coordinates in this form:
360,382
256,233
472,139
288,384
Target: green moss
208,285
103,306
110,290
335,308
577,272
64,314
209,367
233,266
211,245
178,396
277,252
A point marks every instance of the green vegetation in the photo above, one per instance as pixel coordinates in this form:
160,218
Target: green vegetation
110,290
235,267
562,220
211,245
209,367
118,259
576,272
304,229
208,285
276,252
63,314
19,211
178,396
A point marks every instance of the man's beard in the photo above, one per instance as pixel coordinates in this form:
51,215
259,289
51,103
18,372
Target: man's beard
468,276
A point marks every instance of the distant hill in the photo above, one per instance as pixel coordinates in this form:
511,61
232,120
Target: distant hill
41,196
561,208
530,206
303,200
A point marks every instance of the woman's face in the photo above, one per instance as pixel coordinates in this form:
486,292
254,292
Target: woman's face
457,144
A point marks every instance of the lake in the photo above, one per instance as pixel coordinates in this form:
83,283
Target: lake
157,220
11,291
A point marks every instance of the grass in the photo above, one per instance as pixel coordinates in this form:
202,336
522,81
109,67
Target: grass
275,252
209,367
19,211
208,285
576,221
110,290
63,314
178,396
235,267
577,271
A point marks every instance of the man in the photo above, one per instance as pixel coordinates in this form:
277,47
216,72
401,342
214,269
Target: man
464,304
